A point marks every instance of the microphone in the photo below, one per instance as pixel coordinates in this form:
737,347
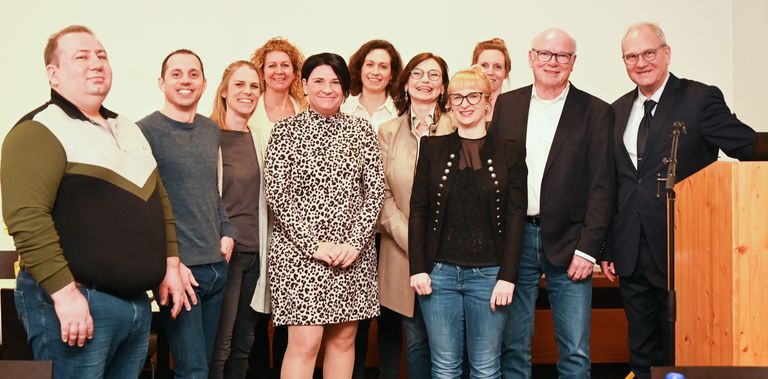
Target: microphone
678,128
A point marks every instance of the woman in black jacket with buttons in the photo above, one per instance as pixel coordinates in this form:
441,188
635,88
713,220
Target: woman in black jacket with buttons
465,232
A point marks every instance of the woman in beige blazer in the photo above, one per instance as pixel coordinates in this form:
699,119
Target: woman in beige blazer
420,99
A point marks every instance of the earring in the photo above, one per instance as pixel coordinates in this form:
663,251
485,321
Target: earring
406,96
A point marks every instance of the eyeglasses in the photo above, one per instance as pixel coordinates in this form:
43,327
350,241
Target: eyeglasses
433,75
545,56
473,98
648,56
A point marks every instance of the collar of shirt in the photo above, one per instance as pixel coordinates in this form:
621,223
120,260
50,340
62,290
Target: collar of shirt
429,120
352,106
655,97
560,98
72,111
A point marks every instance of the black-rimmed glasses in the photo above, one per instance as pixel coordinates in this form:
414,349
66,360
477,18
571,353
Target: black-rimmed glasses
472,98
545,56
648,55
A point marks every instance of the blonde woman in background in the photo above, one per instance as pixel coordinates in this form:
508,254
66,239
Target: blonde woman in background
493,57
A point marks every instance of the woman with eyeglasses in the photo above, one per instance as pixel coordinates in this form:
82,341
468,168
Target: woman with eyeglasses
465,233
325,186
493,57
374,68
419,95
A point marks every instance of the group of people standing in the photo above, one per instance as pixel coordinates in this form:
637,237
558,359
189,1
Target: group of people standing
322,194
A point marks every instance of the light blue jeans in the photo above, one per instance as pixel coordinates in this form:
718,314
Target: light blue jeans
461,297
191,334
571,304
120,332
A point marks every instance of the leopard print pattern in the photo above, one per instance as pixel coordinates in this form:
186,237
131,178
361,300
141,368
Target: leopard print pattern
325,182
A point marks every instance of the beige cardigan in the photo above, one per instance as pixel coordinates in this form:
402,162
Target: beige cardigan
399,148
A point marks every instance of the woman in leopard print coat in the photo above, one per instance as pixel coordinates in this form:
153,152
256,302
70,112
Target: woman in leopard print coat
325,185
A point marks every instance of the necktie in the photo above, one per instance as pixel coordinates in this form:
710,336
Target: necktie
645,127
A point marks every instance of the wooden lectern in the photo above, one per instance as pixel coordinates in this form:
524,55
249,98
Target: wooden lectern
721,266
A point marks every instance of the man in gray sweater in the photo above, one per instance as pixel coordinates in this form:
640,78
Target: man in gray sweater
185,145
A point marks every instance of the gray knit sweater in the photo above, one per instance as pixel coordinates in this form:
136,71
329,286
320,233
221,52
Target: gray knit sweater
186,156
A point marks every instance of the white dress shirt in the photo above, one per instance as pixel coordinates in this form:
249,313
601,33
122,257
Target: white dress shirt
635,116
543,118
383,113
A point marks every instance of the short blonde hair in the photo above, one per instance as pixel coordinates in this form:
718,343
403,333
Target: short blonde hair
472,77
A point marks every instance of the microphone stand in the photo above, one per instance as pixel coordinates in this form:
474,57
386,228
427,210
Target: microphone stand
678,128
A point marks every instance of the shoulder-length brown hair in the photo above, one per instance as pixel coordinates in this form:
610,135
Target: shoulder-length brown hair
297,60
402,102
219,112
358,58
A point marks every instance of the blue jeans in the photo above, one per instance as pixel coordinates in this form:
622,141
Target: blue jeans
461,297
192,333
417,345
120,332
571,304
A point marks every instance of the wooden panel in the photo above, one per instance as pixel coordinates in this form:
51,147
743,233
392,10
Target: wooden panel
750,300
703,224
722,266
26,369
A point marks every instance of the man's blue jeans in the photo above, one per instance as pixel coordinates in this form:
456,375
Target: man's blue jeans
571,304
192,333
120,332
461,297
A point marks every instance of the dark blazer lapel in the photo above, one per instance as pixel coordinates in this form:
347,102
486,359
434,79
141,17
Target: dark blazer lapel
522,113
572,106
661,124
621,111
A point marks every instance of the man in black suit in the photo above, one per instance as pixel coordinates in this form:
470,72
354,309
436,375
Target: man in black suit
641,144
566,133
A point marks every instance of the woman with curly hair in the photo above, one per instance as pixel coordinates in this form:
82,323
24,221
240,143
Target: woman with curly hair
278,63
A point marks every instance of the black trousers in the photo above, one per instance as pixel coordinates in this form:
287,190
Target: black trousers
644,294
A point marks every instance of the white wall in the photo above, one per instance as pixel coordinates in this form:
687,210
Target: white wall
711,40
